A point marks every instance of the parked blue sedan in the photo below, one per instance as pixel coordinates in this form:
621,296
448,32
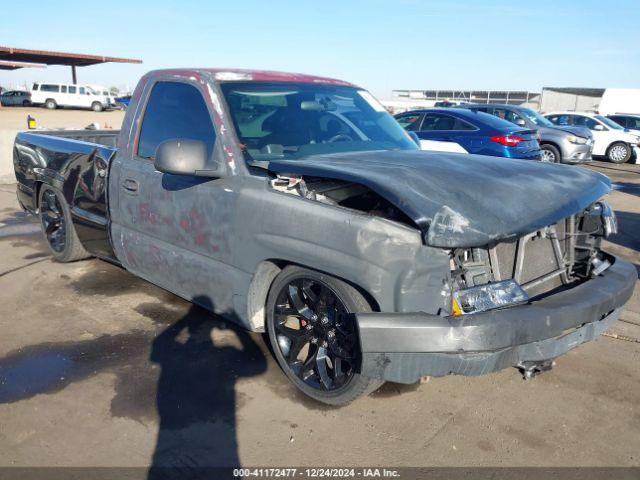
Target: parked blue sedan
466,131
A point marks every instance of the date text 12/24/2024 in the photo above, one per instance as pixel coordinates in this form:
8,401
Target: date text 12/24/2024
316,472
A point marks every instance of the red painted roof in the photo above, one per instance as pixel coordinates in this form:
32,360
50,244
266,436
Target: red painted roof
238,74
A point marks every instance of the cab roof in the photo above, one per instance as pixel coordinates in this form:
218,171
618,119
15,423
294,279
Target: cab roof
247,75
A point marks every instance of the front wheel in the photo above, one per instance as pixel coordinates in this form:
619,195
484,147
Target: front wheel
550,154
619,152
97,107
314,335
51,104
58,230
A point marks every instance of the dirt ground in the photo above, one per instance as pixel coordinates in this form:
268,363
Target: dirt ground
12,118
99,368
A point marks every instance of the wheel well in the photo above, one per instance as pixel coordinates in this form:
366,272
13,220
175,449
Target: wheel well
613,143
263,277
555,145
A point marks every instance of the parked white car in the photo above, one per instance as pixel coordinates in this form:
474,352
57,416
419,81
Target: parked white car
54,95
609,138
630,122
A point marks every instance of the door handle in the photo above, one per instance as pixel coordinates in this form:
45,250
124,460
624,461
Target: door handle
130,185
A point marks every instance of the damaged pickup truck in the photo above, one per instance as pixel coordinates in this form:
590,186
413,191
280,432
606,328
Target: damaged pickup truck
297,206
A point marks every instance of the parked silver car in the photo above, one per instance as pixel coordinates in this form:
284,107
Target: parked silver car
15,98
558,144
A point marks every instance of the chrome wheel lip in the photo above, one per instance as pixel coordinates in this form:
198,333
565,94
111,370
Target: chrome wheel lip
322,351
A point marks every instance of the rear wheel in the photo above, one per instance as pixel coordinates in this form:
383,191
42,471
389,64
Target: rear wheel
58,230
26,103
619,152
550,153
51,104
314,335
97,107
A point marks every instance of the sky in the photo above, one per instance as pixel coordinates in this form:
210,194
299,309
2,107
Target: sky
379,45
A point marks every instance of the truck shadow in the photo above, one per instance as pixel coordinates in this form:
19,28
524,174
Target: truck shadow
628,188
186,374
196,395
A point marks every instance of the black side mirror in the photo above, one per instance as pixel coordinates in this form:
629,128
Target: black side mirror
414,136
186,157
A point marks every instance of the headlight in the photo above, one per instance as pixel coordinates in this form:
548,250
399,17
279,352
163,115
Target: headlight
487,297
578,140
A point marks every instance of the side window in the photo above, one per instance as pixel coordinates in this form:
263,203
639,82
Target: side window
410,122
633,123
429,122
559,119
50,88
72,90
500,113
461,125
174,110
622,121
82,91
581,121
444,122
63,89
511,116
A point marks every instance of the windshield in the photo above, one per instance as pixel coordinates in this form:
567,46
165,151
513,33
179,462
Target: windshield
609,123
536,118
291,120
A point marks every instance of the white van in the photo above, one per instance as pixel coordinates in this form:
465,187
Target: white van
620,100
54,95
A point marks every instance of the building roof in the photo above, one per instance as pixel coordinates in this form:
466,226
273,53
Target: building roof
57,58
587,92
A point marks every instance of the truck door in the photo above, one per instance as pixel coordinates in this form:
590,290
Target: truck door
173,230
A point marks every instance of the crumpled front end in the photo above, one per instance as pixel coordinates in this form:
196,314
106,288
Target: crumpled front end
513,303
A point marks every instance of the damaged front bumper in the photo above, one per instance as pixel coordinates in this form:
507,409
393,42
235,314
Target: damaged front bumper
402,347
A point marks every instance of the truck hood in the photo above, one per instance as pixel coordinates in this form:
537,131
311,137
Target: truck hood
460,200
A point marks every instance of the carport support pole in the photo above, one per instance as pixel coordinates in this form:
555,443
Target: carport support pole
74,76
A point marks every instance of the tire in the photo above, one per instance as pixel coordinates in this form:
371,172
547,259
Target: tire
345,387
550,153
51,104
97,107
55,221
619,152
26,103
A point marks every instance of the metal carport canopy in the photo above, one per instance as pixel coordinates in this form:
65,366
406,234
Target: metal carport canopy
8,65
58,58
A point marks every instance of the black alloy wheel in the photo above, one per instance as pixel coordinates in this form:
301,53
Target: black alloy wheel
313,331
315,334
53,222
